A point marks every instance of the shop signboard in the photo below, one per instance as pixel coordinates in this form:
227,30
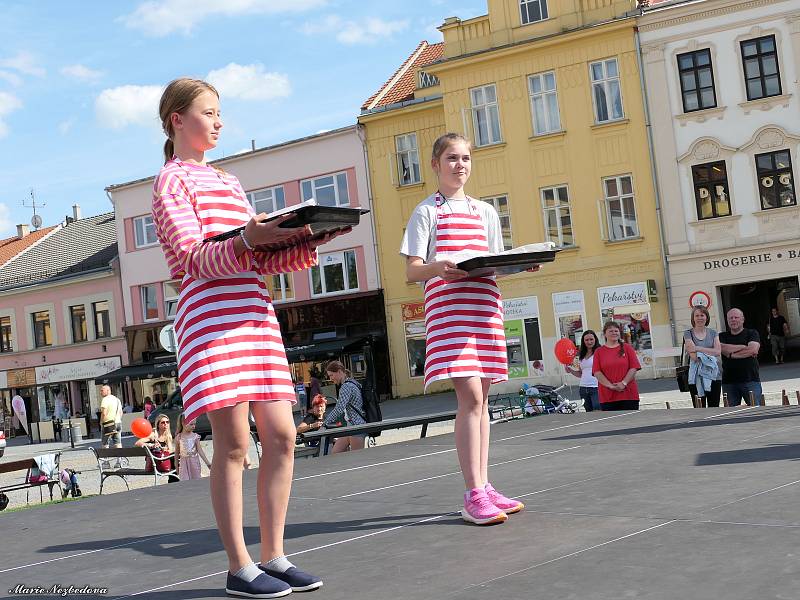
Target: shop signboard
3,380
76,371
523,337
628,305
413,311
19,378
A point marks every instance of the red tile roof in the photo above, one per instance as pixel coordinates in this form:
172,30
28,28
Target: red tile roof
402,84
12,246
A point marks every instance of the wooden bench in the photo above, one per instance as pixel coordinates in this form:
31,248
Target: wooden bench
121,468
28,465
324,435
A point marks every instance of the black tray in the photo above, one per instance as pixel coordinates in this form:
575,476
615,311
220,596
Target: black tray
322,219
505,264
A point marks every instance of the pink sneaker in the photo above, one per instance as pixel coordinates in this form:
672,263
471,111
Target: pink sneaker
479,509
507,505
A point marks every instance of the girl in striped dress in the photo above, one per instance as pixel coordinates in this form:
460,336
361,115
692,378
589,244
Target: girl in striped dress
231,358
464,331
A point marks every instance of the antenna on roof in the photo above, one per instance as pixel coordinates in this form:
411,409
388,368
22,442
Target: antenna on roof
36,220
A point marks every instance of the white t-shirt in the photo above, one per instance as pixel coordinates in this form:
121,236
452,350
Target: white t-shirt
587,379
113,407
420,236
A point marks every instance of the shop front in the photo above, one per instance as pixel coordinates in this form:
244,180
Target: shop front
629,306
351,329
754,280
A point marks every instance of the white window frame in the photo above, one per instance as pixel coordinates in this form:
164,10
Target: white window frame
314,185
620,197
171,300
411,154
495,202
274,197
141,225
142,301
488,109
607,83
552,122
348,289
95,313
50,326
524,4
284,280
557,209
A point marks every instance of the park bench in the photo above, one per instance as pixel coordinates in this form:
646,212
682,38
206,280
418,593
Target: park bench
324,435
121,467
29,466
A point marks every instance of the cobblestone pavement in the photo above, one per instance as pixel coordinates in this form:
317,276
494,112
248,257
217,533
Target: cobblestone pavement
655,393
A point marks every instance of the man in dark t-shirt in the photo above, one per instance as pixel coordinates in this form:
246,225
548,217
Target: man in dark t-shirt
740,348
778,329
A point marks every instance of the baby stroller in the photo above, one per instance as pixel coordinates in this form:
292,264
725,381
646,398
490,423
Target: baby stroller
545,399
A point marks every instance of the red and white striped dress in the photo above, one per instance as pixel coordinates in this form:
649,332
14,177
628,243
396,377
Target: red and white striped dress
464,331
230,348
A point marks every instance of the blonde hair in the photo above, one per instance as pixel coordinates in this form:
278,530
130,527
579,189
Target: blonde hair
177,98
167,431
443,142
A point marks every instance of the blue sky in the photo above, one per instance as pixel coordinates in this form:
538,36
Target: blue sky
79,82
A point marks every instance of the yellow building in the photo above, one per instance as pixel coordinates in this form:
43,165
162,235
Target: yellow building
550,94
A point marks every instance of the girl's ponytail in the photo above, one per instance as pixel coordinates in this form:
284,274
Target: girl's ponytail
169,150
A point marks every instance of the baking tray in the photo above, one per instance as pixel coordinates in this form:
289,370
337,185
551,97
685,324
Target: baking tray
505,264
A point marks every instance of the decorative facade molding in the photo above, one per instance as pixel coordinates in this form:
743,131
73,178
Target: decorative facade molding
701,116
768,138
706,149
701,15
765,103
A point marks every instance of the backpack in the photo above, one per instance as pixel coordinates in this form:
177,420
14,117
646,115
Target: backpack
371,412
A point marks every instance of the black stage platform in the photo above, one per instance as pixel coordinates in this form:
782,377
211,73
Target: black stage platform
672,505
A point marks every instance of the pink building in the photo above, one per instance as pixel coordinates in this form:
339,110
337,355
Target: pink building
332,311
60,300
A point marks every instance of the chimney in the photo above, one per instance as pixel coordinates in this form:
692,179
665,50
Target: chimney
76,211
22,231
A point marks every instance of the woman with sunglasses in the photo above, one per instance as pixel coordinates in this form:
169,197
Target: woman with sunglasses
160,439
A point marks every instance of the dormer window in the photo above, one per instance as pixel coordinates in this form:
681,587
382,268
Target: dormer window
532,11
426,80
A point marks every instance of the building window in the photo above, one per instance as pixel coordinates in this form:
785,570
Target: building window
77,315
41,329
149,302
282,287
485,115
336,273
606,93
544,103
6,338
761,74
407,159
711,190
172,290
500,204
697,80
330,190
532,11
775,181
145,231
415,348
102,322
268,200
557,216
620,208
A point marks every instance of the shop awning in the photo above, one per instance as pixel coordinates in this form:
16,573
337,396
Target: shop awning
142,371
326,349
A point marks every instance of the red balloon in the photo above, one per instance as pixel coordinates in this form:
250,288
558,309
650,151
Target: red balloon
141,427
566,351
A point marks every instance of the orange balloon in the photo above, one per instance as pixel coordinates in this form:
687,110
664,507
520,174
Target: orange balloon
565,351
141,427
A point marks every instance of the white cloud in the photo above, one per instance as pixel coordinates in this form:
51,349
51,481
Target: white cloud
249,82
81,72
8,104
65,126
128,104
369,30
11,78
23,62
165,16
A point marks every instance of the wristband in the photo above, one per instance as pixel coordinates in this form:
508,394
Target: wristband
245,242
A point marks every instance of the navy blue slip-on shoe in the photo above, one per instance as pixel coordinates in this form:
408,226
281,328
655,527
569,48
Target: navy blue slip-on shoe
299,580
263,586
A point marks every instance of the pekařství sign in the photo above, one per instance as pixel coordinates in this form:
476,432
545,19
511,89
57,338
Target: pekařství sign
750,259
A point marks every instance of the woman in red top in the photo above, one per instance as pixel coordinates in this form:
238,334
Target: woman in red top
615,366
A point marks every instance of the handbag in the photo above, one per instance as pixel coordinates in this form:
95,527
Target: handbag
682,372
163,466
109,427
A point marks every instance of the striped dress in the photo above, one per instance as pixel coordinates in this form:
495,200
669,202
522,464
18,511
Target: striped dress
230,348
464,329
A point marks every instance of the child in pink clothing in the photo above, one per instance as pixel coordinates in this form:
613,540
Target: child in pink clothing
188,450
